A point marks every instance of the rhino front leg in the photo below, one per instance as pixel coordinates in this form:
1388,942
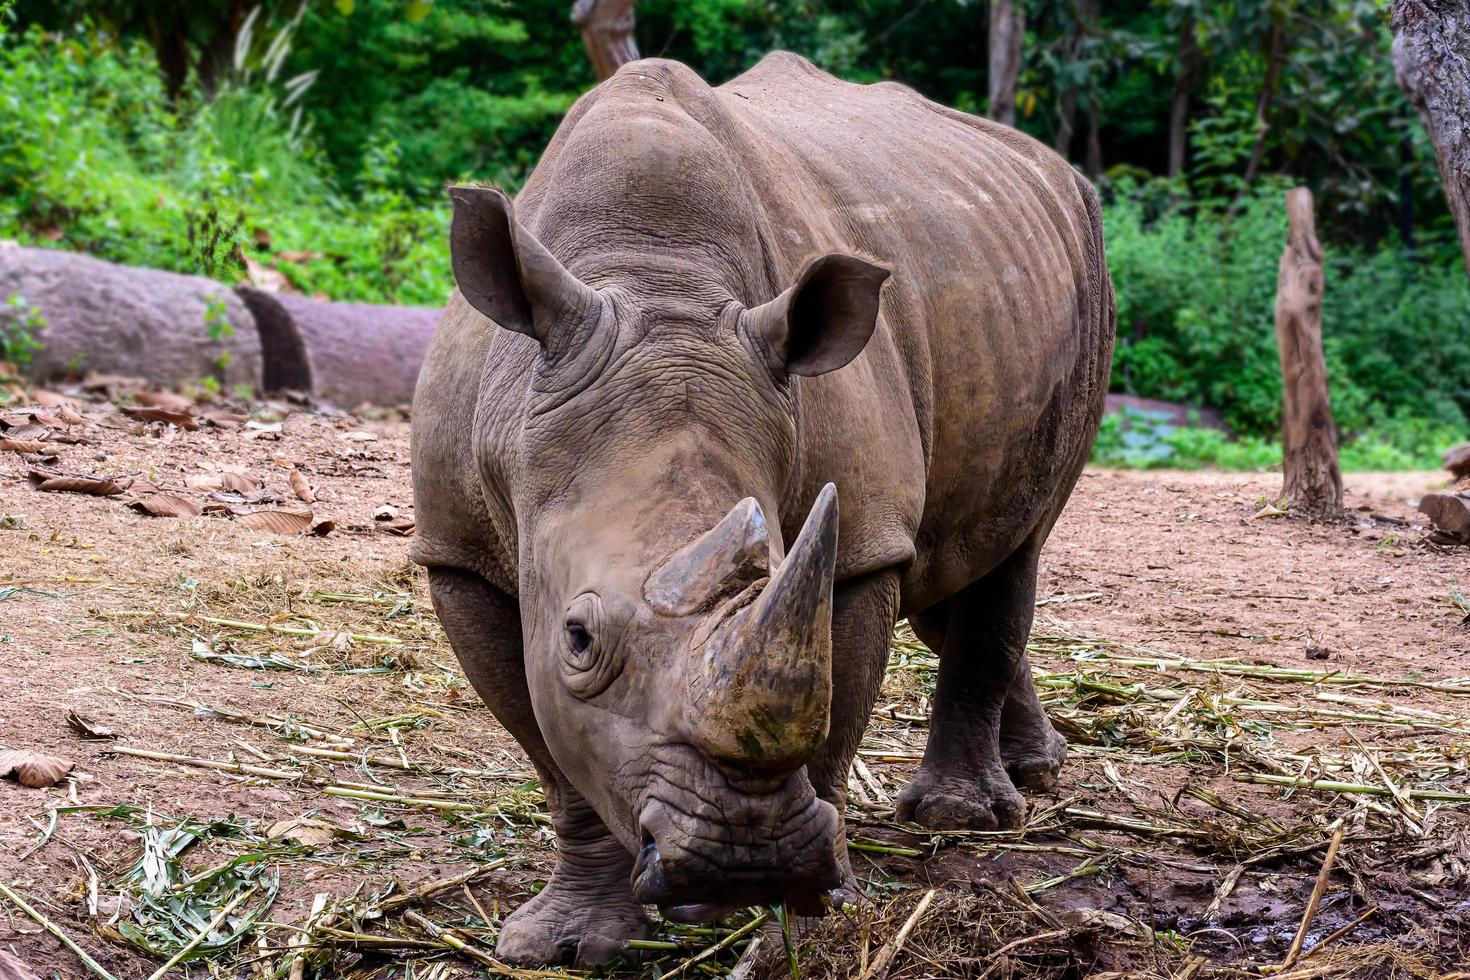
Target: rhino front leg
962,782
1030,748
586,911
863,613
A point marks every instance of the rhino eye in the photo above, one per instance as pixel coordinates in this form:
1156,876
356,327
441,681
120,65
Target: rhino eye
590,657
578,637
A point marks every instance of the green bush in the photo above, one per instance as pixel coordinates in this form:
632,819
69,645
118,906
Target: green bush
1196,292
92,159
1145,440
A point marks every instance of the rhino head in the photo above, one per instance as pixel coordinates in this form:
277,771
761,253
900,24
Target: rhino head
678,653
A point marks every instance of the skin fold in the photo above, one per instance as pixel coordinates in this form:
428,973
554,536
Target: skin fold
743,376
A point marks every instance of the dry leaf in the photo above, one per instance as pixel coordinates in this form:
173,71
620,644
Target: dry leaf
265,278
33,769
232,482
70,417
297,256
96,486
402,529
359,435
386,512
163,399
226,420
1270,510
182,419
166,505
1099,920
21,445
13,969
50,399
28,431
304,830
86,727
323,528
300,488
46,419
278,521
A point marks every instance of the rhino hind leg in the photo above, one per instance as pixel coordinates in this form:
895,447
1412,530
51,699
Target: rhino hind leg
586,911
963,781
1032,750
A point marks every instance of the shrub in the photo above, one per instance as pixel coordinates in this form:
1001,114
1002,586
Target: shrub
92,159
1196,294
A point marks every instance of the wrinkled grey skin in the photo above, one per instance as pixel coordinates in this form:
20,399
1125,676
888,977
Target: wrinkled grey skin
620,480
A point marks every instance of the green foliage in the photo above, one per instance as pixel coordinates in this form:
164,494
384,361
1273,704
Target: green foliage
94,158
20,322
1145,440
1196,293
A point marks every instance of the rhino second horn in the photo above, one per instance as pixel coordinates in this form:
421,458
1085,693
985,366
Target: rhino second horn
720,562
762,701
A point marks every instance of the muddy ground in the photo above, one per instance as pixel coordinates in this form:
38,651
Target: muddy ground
1238,691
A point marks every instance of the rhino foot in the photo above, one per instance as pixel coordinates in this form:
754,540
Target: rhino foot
568,926
988,802
1033,758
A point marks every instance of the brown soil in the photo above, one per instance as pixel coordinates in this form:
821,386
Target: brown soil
1147,576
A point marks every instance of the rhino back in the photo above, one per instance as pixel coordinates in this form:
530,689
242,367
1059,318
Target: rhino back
978,399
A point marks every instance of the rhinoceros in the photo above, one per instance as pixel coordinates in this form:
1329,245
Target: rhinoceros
711,314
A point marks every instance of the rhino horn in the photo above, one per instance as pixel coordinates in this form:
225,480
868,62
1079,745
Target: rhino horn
763,700
722,561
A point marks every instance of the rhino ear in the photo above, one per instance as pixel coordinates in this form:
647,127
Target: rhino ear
505,273
826,319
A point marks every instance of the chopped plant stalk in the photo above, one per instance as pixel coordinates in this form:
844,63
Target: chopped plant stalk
55,930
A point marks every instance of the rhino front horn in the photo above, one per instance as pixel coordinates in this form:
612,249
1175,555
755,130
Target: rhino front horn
762,693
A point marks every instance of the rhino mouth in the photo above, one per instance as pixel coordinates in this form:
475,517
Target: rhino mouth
708,848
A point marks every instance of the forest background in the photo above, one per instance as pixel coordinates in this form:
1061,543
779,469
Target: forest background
316,138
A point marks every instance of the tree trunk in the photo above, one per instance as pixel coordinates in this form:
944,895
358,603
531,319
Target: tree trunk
1007,31
1431,58
1094,137
1086,13
1275,56
1186,75
1312,480
607,32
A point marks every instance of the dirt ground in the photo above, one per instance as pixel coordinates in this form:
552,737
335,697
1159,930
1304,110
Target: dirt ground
1243,694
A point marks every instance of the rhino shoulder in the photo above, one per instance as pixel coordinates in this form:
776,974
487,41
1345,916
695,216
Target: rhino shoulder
453,524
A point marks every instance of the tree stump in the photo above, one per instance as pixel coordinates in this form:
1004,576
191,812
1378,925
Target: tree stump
1312,480
1431,59
607,33
1450,513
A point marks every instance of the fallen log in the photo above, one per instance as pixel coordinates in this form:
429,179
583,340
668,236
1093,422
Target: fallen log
91,315
344,353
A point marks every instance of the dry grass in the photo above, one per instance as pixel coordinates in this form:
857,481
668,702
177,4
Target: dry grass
1390,775
1188,838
